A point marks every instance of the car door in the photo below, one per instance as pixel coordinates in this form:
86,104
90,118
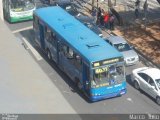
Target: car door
152,90
143,79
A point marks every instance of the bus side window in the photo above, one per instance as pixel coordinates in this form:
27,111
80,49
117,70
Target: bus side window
48,34
53,35
69,54
53,39
78,62
63,49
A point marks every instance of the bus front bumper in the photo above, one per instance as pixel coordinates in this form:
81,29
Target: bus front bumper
19,19
94,98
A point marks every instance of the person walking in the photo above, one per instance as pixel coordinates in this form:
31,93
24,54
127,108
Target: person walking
102,18
98,16
111,22
94,14
136,12
137,5
106,20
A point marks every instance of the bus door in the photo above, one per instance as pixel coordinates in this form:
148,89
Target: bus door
53,46
41,30
86,81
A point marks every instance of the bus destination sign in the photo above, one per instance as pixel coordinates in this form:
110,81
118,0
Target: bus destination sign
106,62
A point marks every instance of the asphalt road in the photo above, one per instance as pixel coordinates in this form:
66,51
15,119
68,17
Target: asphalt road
133,102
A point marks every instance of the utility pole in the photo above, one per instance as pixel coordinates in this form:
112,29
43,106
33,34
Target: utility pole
1,10
109,5
93,1
145,7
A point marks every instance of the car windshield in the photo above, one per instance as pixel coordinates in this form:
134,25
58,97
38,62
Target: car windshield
108,75
158,83
22,5
122,47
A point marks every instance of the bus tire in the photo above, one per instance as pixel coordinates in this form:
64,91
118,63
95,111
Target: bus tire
78,84
49,55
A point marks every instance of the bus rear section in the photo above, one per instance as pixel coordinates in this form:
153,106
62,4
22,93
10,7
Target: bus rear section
18,10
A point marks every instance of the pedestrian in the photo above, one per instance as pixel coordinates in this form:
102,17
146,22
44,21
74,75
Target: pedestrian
137,3
111,21
102,18
136,13
98,16
145,6
94,14
106,20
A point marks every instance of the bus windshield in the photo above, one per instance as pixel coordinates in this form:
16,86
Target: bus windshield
108,75
22,5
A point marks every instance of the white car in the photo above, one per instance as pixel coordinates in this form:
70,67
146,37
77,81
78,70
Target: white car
130,56
148,80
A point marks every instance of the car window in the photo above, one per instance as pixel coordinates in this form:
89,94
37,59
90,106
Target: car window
151,82
122,47
158,83
144,76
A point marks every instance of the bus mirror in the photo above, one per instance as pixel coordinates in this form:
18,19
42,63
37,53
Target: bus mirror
87,82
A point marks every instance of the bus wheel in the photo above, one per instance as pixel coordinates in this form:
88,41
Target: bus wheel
158,100
79,85
136,85
49,55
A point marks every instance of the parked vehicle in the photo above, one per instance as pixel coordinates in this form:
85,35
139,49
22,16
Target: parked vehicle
67,5
148,80
41,6
18,10
96,67
89,22
130,56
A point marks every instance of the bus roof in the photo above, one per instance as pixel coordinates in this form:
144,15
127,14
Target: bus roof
86,42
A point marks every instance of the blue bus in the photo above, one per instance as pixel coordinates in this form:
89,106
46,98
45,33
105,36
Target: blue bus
96,67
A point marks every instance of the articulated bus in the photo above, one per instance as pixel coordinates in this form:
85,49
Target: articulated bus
18,10
97,68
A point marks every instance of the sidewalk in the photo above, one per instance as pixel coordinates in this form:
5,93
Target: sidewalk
24,87
146,42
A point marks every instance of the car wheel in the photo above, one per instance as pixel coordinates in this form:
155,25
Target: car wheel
136,85
158,100
49,55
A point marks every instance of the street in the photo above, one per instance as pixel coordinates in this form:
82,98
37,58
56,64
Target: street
133,102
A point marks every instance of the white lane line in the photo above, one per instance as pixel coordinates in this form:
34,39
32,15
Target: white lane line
130,100
22,29
35,53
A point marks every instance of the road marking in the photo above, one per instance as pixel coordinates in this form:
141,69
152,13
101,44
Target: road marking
22,29
130,100
35,53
